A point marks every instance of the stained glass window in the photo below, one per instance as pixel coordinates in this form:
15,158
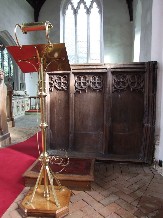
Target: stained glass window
6,64
82,30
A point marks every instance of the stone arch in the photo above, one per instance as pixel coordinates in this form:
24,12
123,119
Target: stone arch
8,40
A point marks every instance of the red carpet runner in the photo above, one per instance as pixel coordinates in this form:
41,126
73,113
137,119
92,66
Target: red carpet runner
14,161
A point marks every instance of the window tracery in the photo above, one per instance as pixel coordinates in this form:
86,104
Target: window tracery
82,30
6,64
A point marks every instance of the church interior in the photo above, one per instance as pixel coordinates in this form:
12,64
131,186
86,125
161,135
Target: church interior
81,102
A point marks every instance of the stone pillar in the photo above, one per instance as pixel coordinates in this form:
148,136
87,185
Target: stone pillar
5,138
10,118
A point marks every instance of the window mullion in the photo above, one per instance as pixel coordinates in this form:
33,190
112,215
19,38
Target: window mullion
9,66
101,39
64,28
88,37
76,51
3,59
0,59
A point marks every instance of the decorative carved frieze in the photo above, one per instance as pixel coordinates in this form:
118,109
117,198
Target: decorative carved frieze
135,82
58,82
84,82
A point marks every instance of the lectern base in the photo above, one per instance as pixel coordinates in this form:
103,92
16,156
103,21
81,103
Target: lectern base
42,207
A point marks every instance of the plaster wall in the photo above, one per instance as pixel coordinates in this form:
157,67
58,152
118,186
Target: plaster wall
12,13
137,19
117,28
50,11
157,54
15,12
151,49
32,83
146,30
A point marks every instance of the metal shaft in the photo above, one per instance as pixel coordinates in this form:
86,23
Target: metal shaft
43,126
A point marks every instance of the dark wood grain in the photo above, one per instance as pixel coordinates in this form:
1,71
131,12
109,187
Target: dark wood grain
106,110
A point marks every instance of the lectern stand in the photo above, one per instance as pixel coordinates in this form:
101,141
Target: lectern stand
46,199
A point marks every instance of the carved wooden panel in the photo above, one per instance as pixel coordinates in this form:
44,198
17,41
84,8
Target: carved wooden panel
88,113
127,114
58,131
104,111
123,81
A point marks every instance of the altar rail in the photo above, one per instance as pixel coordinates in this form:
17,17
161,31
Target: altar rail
104,111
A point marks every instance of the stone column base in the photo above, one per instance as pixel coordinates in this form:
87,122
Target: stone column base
5,140
11,123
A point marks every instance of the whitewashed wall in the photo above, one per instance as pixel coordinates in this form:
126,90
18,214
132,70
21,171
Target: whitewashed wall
117,27
137,19
146,30
142,24
50,11
157,54
151,49
12,13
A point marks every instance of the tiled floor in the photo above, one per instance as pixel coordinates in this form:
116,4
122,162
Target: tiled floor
25,127
120,190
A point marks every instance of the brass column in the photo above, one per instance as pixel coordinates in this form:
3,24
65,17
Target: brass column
43,199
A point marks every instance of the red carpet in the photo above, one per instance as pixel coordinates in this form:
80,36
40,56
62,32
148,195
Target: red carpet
14,161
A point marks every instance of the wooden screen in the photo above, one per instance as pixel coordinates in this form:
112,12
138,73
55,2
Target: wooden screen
88,112
103,111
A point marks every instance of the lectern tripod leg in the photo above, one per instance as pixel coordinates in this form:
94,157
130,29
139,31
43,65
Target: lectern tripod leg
38,182
52,187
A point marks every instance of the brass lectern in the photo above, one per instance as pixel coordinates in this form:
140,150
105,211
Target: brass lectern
44,199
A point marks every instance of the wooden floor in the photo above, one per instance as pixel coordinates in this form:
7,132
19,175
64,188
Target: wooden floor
119,191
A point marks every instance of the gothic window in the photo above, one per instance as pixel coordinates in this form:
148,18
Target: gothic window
82,30
6,64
